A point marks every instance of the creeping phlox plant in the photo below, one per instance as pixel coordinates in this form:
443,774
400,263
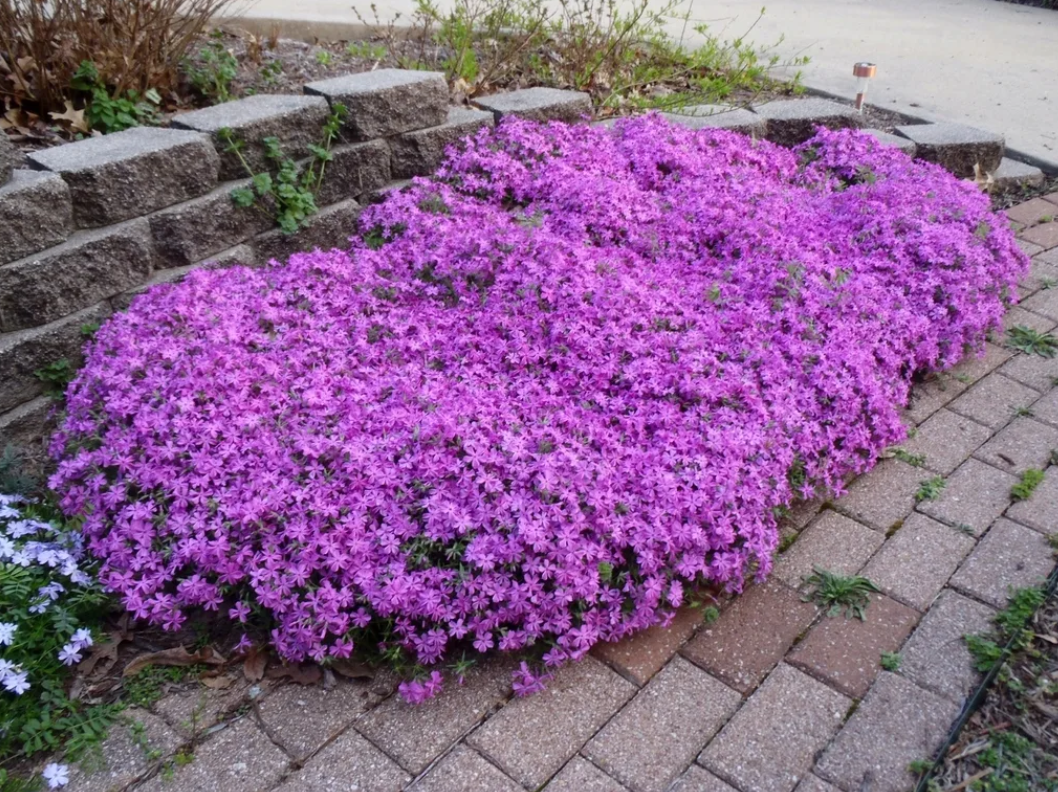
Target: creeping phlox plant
45,596
544,393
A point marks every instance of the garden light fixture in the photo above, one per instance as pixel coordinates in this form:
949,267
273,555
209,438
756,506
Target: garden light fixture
864,72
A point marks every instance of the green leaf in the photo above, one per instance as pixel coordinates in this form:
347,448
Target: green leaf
243,197
262,183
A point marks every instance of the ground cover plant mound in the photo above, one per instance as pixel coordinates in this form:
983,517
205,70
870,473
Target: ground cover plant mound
542,396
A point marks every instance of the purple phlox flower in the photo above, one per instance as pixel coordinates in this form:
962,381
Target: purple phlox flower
56,775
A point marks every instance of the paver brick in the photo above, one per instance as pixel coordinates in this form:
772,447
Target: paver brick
1018,316
464,770
956,147
532,738
10,158
1036,371
973,496
893,141
348,763
832,542
946,440
419,153
734,119
933,394
1045,235
26,428
302,719
895,724
771,742
812,783
642,654
975,367
1052,197
1044,302
1042,274
128,174
1023,443
355,169
994,400
1028,248
802,512
846,653
538,104
1010,556
89,268
386,102
1011,175
652,740
1040,512
936,656
123,757
35,213
884,496
297,121
329,228
1031,212
239,758
916,561
751,635
193,711
580,775
194,230
415,735
697,779
793,121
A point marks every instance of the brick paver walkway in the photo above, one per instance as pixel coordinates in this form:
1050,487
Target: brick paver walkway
772,697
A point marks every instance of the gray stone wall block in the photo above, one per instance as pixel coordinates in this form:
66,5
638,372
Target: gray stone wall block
1011,174
35,213
380,195
196,229
386,102
357,169
27,429
330,228
793,121
24,352
239,254
735,119
296,120
10,157
956,147
90,267
419,153
538,104
902,143
128,174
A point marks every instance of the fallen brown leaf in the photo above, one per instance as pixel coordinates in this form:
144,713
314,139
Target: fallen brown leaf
220,682
253,668
302,674
352,669
177,656
73,118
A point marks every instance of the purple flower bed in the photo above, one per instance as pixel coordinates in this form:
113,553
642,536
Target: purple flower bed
541,397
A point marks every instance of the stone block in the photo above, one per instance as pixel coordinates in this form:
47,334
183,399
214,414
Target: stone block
883,496
834,543
650,742
846,653
88,268
811,783
895,724
933,394
946,440
538,104
193,709
35,213
893,141
329,228
463,770
297,121
972,498
751,635
240,254
1021,444
386,102
532,738
793,121
10,158
1045,235
26,429
956,147
415,735
348,763
580,775
1012,175
1043,274
1040,512
641,655
936,656
1043,302
357,169
697,779
1046,409
1018,316
734,119
994,400
24,352
916,562
132,173
196,229
772,741
1010,556
419,153
976,367
1032,211
133,746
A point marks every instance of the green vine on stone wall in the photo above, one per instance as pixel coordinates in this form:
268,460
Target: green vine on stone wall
288,196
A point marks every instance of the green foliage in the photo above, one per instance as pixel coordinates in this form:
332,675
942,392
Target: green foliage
213,70
324,57
366,50
1032,342
287,195
915,460
987,649
13,477
149,685
891,661
930,489
838,594
56,376
1030,479
270,71
112,112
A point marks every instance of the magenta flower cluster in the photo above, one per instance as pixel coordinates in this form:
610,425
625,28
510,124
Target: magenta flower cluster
543,396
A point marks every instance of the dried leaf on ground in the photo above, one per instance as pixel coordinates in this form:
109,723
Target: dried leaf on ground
302,674
253,667
177,656
352,669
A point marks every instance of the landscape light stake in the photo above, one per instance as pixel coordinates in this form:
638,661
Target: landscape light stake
863,72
